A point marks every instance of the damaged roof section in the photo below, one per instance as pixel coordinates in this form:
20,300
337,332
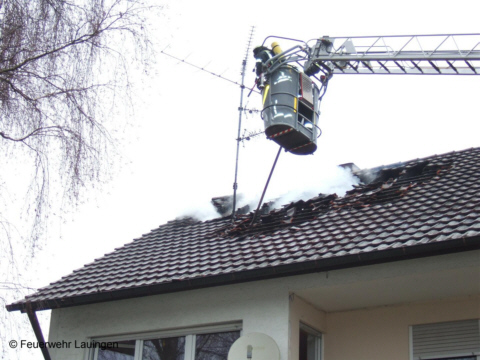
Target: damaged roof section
391,183
379,185
417,208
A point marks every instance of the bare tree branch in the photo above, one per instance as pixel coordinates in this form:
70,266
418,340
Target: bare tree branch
64,65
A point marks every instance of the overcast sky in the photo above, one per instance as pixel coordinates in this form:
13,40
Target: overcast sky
181,148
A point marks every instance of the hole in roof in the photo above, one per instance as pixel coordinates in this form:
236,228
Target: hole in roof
379,186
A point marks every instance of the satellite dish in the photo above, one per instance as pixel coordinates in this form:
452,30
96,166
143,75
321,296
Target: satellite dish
254,346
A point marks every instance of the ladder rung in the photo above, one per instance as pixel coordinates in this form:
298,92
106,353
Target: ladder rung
453,67
471,67
353,67
400,66
367,65
337,66
419,68
435,67
383,66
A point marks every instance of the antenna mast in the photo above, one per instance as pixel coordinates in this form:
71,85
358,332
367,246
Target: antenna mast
240,111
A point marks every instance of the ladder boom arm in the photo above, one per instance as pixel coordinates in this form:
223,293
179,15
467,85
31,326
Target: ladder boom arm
416,54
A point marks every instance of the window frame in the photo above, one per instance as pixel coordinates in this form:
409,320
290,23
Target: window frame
189,333
319,340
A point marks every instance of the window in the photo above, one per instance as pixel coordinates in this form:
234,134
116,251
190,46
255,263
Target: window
160,349
214,346
455,340
122,350
310,343
212,343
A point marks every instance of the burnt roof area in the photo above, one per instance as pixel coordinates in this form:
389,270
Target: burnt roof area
380,185
422,207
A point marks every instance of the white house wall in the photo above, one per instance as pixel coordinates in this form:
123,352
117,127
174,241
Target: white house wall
260,306
366,308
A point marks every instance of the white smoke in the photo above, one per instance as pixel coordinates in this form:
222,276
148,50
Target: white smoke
291,181
286,187
199,208
328,180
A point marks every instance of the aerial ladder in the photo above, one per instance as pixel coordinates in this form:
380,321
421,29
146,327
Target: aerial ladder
293,82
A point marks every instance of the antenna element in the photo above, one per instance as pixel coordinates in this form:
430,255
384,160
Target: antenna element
240,111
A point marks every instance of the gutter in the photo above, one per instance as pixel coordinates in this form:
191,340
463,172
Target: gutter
32,316
299,268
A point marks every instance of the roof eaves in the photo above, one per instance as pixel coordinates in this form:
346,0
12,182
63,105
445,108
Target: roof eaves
294,268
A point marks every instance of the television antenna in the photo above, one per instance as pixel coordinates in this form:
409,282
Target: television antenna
241,109
240,112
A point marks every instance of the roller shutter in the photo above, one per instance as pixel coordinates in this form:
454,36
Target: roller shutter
447,339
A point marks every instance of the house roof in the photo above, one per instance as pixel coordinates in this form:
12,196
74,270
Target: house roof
416,208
